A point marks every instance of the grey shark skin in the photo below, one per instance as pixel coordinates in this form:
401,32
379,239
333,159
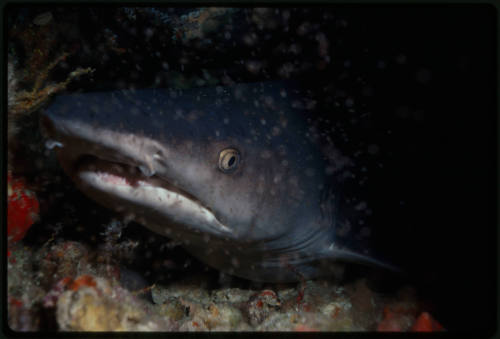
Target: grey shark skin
232,173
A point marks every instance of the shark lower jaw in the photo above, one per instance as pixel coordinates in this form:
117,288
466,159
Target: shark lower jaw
129,183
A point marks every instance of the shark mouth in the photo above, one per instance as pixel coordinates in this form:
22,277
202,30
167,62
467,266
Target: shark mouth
140,186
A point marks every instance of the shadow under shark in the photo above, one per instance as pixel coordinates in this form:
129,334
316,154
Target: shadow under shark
233,173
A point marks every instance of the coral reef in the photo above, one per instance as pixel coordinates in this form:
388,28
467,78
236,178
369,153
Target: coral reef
64,286
95,304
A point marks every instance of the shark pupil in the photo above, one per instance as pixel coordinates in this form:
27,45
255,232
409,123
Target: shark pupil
231,161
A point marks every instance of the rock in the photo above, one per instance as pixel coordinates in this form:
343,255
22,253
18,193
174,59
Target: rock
260,305
61,260
105,307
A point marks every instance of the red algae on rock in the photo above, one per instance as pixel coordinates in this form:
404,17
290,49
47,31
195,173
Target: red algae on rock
22,208
426,323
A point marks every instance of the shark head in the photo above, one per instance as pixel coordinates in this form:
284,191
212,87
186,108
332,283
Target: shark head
233,173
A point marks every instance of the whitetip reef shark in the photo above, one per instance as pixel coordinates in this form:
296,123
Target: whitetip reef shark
233,173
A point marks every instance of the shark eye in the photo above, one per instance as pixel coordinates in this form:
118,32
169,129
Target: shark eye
229,159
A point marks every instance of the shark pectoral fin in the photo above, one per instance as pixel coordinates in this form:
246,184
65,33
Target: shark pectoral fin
345,255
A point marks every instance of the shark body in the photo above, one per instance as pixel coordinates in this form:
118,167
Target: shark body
233,173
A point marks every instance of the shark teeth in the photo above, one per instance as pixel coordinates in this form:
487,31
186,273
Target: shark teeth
148,172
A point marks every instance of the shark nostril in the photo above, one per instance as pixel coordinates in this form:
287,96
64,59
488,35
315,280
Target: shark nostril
48,130
50,144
